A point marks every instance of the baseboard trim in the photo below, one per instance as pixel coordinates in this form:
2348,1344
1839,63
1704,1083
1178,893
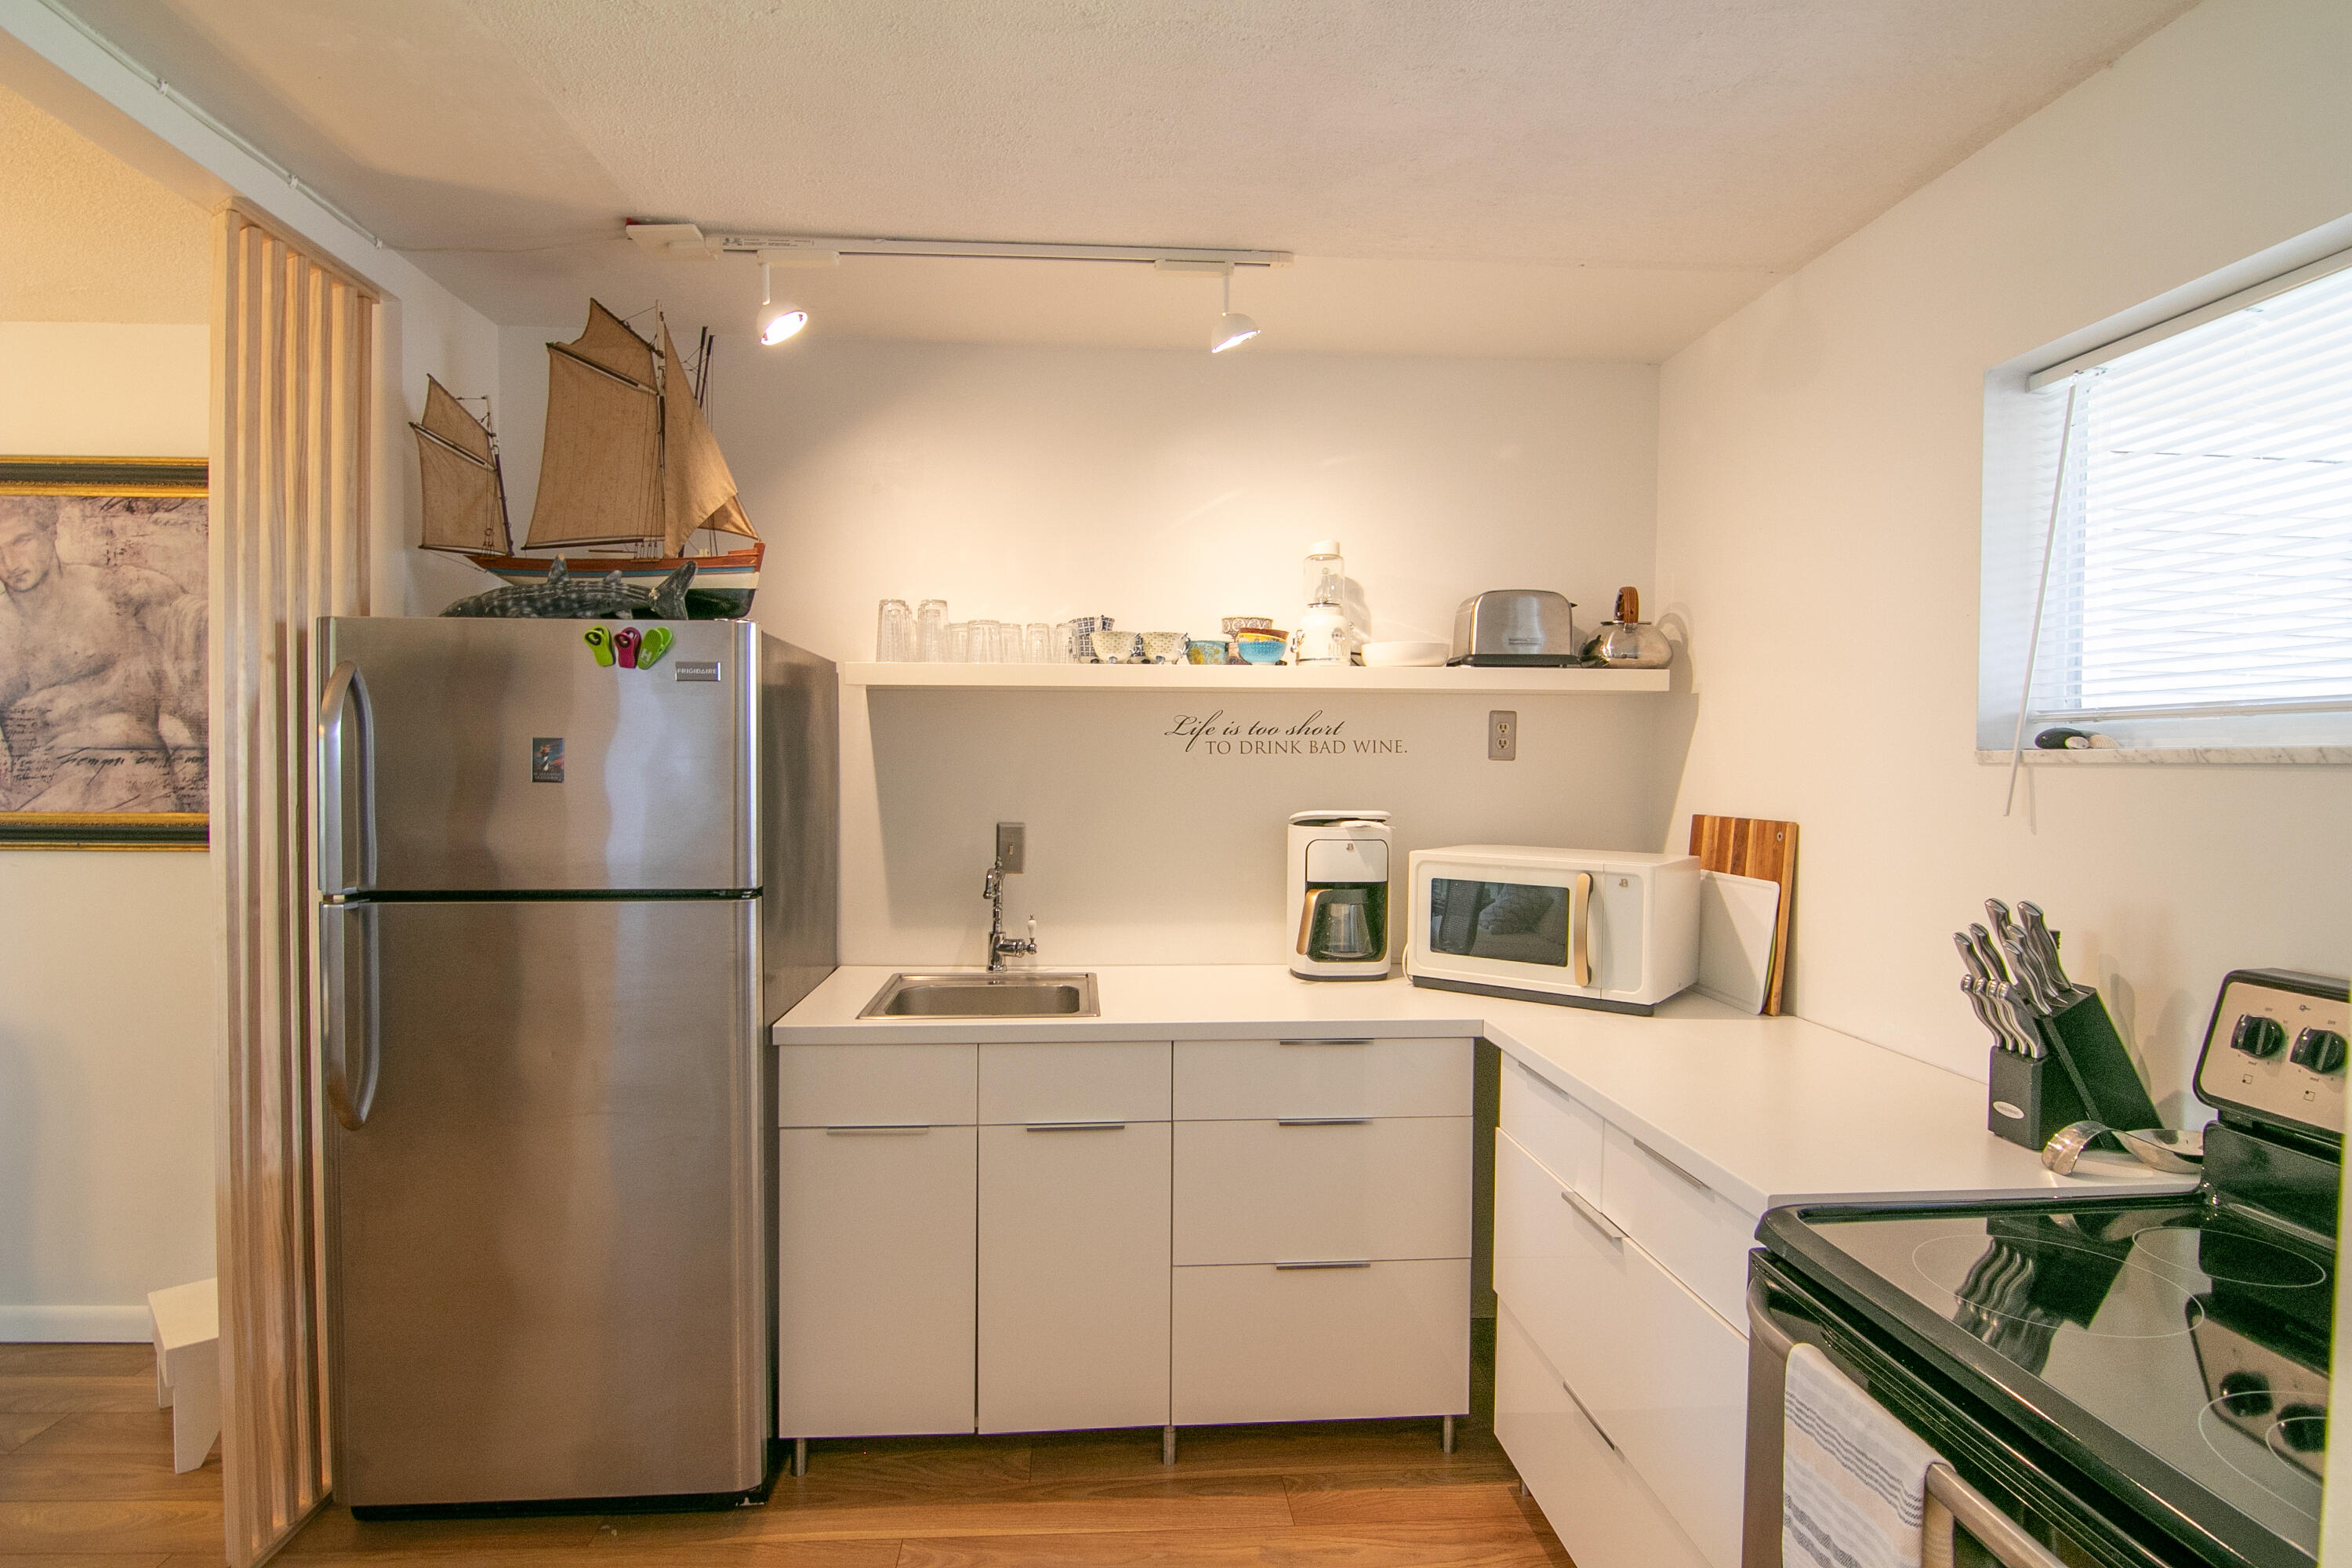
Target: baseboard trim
75,1325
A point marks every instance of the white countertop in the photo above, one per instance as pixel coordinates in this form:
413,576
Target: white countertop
1766,1110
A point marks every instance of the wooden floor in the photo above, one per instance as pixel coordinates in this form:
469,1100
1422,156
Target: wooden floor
86,1481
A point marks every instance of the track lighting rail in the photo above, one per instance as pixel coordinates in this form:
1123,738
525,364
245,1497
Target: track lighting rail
823,250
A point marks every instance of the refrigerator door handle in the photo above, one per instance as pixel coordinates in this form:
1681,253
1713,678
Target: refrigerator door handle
351,1095
346,693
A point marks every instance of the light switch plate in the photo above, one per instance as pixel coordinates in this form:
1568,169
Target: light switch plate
1012,847
1502,736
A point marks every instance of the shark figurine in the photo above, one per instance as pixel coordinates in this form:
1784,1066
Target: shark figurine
563,597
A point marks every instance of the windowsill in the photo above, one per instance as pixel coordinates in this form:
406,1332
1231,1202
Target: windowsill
2168,756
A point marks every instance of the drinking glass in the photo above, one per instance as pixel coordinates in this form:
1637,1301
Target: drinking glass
986,647
958,642
894,633
1065,644
931,631
1037,644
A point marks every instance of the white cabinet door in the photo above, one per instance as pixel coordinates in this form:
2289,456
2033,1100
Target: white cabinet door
1596,1504
1276,1192
1074,1080
875,1238
876,1085
1312,1075
1254,1342
1074,1277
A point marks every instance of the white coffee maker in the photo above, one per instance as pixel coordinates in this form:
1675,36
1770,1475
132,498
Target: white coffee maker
1340,895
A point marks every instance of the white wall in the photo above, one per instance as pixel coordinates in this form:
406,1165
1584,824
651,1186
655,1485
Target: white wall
1169,488
1818,526
106,1029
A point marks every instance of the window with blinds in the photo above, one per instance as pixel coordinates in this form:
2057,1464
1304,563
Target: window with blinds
2202,561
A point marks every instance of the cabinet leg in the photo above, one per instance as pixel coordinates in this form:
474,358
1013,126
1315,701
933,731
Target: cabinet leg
800,1455
1449,1435
1168,1445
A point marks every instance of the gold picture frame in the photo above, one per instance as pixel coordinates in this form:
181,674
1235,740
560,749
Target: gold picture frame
135,556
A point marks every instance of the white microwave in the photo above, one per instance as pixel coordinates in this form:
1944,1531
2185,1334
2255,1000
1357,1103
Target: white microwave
1585,928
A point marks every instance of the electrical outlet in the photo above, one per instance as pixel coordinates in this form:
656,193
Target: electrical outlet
1502,736
1012,847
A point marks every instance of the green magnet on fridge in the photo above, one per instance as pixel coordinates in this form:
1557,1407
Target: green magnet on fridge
657,643
600,643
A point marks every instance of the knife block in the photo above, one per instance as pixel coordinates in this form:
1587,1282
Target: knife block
2083,1038
2041,1094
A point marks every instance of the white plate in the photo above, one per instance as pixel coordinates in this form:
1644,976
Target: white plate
1397,655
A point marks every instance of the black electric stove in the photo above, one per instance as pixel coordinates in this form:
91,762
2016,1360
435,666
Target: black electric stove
2142,1381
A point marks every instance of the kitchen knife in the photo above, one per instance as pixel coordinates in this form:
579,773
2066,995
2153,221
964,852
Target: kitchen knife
2021,972
2042,942
1970,960
1983,1011
1988,954
2005,995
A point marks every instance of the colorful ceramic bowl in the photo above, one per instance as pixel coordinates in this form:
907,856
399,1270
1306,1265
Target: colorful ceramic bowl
1208,650
1165,648
1263,651
1236,623
1112,647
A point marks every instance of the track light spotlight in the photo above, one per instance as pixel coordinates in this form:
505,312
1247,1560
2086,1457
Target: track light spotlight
777,320
1232,329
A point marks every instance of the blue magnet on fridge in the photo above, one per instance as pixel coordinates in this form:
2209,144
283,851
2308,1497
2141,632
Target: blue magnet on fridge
657,643
600,643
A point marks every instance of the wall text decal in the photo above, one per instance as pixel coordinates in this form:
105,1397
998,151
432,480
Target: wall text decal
1220,734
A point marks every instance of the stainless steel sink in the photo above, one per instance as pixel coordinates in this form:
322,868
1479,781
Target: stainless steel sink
1029,994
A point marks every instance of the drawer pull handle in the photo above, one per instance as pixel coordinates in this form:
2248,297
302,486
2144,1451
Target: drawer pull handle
1591,1215
1324,1121
1669,1165
884,1130
1076,1126
1546,1084
1329,1263
1581,1410
1328,1042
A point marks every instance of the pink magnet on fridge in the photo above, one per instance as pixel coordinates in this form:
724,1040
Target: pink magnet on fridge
625,642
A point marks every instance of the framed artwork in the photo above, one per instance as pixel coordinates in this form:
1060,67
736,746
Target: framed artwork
102,624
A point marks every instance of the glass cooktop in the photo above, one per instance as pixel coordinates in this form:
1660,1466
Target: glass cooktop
2198,1335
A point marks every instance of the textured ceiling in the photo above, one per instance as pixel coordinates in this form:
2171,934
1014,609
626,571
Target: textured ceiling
86,238
1680,146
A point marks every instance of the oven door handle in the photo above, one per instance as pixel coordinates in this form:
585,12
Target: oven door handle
1950,1501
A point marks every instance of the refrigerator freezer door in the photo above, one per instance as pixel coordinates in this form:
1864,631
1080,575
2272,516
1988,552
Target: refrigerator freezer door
503,757
547,1248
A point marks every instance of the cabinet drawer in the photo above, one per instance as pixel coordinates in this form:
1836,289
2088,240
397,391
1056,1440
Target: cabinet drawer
1598,1506
1076,1081
1563,1133
875,1294
1073,1278
1252,1343
869,1086
1266,1192
1701,1237
1656,1369
1234,1080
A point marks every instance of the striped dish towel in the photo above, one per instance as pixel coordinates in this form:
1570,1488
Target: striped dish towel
1852,1479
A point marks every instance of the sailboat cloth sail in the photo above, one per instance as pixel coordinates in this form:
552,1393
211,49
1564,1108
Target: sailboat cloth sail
600,467
465,505
461,500
697,489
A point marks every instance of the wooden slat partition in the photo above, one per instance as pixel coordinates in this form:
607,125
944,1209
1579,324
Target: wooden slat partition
291,345
1755,847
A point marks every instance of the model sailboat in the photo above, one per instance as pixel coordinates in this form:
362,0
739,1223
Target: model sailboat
629,475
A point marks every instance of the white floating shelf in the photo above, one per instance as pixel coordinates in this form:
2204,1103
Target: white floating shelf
1462,681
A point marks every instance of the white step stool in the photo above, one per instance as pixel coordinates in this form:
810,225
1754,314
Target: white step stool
186,1319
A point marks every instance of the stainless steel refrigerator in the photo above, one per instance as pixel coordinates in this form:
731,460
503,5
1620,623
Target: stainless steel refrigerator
559,901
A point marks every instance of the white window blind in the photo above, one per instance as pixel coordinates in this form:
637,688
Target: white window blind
2202,560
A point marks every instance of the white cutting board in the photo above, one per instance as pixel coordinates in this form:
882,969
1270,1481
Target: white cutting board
1736,917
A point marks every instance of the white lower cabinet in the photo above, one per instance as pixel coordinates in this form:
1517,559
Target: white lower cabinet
1262,1342
874,1297
1276,1192
1598,1506
1074,1275
1653,1365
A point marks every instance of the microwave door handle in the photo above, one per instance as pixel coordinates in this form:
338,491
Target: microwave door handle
1580,929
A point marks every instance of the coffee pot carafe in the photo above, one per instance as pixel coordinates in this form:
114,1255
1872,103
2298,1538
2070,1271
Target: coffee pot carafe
1340,895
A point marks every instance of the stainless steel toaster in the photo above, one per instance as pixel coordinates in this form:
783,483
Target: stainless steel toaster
1515,626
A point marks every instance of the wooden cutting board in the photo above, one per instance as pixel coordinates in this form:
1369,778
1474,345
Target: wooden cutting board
1754,846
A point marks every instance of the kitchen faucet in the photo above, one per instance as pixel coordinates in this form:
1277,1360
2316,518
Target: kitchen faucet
1012,845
